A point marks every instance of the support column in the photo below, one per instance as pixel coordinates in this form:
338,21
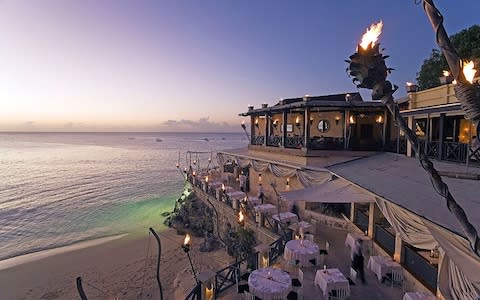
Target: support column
352,212
397,255
284,131
441,137
306,131
267,128
346,123
409,145
252,129
384,131
371,219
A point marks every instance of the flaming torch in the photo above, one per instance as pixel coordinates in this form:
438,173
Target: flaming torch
241,219
245,130
186,248
368,68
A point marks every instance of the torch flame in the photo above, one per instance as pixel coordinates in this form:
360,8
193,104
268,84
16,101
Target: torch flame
446,73
206,179
371,35
240,217
469,71
186,241
409,83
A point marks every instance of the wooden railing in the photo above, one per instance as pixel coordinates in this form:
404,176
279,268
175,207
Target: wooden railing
258,140
293,142
274,141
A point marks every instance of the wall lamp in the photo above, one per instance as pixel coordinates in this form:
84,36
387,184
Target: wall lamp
352,119
379,119
337,119
297,121
275,123
256,122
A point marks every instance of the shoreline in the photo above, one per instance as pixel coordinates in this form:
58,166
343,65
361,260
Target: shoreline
34,256
120,266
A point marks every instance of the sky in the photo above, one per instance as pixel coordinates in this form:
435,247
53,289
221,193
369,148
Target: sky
192,65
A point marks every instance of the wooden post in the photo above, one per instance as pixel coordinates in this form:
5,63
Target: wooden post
441,137
284,125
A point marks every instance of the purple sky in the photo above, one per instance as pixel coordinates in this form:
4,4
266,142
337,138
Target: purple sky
192,65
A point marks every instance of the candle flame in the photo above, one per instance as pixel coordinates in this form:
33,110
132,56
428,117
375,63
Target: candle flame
206,179
186,241
371,35
223,187
409,83
446,73
240,217
469,71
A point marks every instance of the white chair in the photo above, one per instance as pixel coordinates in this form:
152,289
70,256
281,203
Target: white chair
309,237
249,296
300,275
396,277
338,294
353,275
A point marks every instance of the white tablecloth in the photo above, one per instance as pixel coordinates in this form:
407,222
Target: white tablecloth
301,250
254,200
419,296
236,195
285,217
265,208
331,279
269,283
381,265
350,242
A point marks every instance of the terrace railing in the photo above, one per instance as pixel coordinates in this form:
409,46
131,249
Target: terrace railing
384,239
454,151
326,143
294,142
195,294
274,141
258,140
420,267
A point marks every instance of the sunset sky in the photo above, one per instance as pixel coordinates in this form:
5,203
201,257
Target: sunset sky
192,65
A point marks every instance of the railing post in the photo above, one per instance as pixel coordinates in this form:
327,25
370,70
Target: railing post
441,138
207,285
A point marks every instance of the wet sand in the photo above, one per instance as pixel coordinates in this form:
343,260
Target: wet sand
122,267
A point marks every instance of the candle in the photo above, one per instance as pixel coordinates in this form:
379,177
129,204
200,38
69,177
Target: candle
366,232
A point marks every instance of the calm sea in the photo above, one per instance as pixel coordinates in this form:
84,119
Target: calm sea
60,188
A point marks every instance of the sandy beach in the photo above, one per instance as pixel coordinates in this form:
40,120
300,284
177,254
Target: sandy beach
122,267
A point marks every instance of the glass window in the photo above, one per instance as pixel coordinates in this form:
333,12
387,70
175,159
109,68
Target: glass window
323,126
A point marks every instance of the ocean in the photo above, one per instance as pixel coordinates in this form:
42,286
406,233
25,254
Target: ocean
57,189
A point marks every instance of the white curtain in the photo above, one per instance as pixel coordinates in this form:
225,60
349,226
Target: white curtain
306,177
409,226
463,263
459,274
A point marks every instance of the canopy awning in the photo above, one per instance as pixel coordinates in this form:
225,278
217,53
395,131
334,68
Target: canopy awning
334,191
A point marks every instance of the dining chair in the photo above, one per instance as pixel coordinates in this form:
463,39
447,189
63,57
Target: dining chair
309,237
338,294
248,296
353,275
326,250
396,278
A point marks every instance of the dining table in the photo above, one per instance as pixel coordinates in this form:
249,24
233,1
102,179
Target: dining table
332,279
303,252
366,245
270,283
381,265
